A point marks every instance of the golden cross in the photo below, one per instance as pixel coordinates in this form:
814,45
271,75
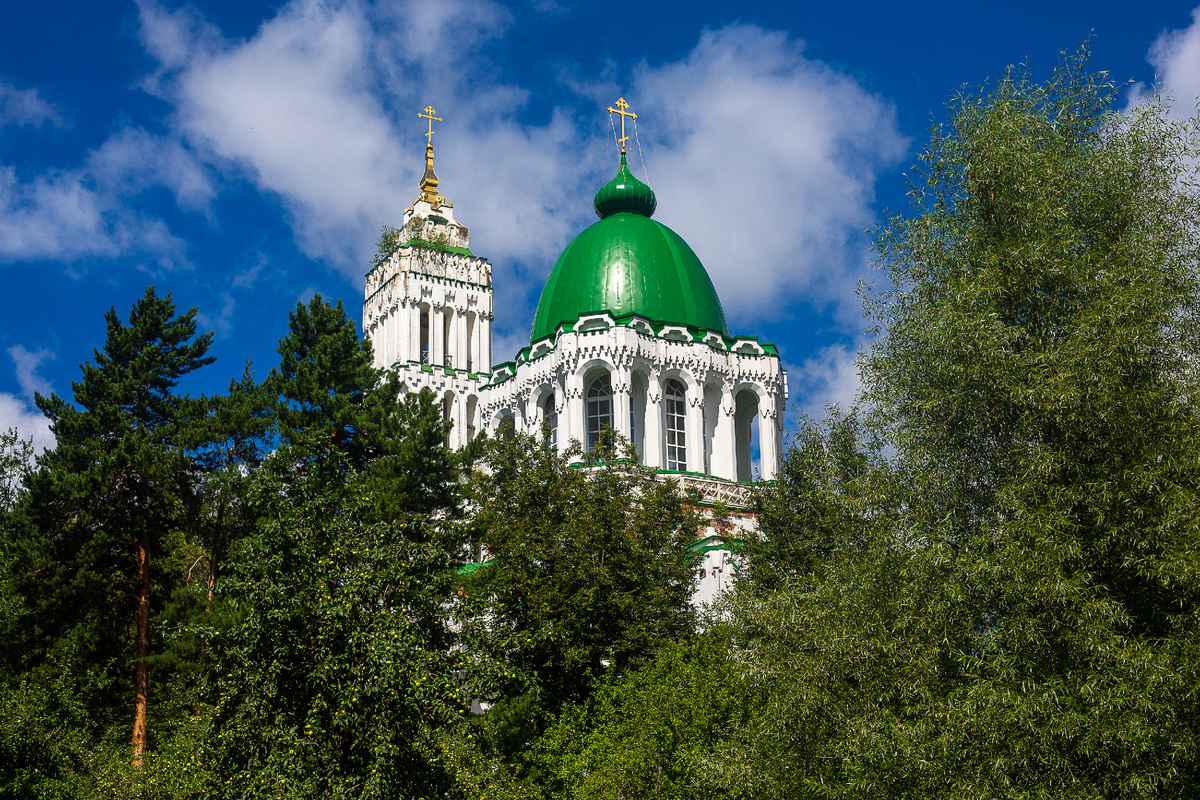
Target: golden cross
429,115
621,107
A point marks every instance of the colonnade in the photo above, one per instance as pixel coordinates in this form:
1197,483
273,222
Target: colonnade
718,428
438,334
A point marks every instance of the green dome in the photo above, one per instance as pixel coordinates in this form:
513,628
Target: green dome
624,193
628,264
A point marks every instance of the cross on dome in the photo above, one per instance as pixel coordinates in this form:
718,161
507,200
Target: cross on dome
622,108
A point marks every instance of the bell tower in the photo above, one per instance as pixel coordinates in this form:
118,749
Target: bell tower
428,308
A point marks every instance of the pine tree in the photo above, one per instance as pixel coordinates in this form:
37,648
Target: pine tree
104,501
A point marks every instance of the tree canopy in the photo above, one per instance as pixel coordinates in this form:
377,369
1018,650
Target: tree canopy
980,582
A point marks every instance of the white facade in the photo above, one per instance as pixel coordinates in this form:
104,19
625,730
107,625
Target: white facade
428,313
725,396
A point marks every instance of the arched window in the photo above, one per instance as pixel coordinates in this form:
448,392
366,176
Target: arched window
550,415
599,409
448,412
676,409
472,411
424,354
471,334
745,429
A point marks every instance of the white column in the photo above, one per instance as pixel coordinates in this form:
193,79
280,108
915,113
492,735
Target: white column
695,429
576,427
485,343
560,409
402,326
621,385
450,334
653,441
414,331
768,438
459,434
724,461
388,343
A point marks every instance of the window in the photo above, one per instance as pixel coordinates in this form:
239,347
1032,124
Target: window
471,334
424,354
550,415
676,408
599,409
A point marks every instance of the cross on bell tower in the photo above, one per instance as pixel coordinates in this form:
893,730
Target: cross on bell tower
429,181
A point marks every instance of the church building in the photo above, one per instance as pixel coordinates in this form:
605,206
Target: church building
629,334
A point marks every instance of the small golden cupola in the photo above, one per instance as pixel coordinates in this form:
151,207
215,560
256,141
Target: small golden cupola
429,181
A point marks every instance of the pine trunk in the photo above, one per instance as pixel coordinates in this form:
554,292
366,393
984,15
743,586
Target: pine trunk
143,651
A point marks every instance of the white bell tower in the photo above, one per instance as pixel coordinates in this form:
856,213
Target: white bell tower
429,307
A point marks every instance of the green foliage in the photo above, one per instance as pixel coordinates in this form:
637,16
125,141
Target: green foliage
113,491
16,454
825,498
387,244
587,576
651,732
340,670
326,382
1021,616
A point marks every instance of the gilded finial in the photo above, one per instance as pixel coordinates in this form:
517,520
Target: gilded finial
429,181
622,108
428,114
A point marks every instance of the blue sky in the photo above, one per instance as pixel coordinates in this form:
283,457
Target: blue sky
244,155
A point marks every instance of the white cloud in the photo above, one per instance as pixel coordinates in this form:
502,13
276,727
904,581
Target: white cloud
14,413
132,160
319,108
18,412
63,215
222,323
70,213
1176,59
829,377
25,107
26,363
86,211
765,162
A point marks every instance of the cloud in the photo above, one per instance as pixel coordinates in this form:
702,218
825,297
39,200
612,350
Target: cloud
830,377
62,215
765,162
318,107
222,323
25,107
26,363
85,210
18,412
1176,59
132,161
14,413
90,210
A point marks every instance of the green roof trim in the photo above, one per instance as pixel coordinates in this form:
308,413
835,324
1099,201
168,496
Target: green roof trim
467,569
437,247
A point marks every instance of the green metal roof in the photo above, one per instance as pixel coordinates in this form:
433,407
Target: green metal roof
628,264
